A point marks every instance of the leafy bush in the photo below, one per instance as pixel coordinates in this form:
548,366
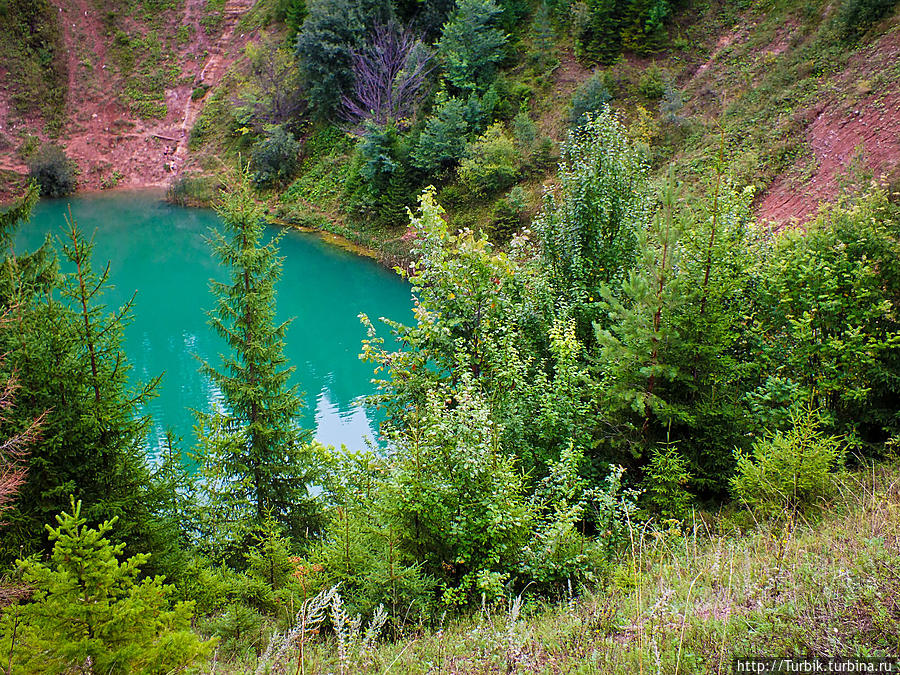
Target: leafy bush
558,553
590,97
53,171
827,319
274,159
193,190
491,162
855,16
787,471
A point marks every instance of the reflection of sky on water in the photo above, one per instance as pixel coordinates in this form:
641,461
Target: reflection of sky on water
161,252
334,425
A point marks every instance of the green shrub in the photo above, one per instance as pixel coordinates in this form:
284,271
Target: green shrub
29,146
199,91
855,16
492,162
653,83
53,171
274,159
826,306
788,471
591,96
665,481
193,190
558,553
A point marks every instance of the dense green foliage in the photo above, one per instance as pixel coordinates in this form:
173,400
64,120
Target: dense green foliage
599,356
788,471
254,457
52,171
470,47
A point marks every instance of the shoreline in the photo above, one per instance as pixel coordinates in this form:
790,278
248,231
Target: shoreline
331,238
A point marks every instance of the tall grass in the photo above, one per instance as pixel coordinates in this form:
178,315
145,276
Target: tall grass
689,600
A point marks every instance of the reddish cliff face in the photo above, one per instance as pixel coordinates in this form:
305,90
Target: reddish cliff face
839,134
103,133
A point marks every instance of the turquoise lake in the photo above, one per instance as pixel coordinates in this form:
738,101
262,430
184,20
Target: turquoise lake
160,251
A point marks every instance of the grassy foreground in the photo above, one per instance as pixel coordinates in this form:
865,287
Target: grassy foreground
680,601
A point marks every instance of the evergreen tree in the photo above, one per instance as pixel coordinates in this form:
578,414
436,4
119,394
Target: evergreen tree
93,613
671,366
254,455
470,46
443,140
65,347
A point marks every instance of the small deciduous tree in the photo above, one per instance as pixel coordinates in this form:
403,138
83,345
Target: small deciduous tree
589,226
273,94
491,162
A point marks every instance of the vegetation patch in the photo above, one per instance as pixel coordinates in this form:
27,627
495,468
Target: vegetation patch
33,59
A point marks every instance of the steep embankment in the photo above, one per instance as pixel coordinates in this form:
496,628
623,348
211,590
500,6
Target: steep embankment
135,88
799,107
842,131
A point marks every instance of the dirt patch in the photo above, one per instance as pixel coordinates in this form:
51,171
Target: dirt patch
841,132
110,145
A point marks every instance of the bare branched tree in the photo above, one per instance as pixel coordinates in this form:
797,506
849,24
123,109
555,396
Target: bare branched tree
389,76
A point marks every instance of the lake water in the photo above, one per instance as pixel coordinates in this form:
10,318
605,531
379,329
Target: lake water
160,251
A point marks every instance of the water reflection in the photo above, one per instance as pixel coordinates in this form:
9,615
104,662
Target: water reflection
161,252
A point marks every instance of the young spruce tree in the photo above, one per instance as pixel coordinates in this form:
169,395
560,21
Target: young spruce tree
65,346
253,453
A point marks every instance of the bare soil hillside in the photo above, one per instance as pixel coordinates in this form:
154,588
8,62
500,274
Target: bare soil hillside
111,143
